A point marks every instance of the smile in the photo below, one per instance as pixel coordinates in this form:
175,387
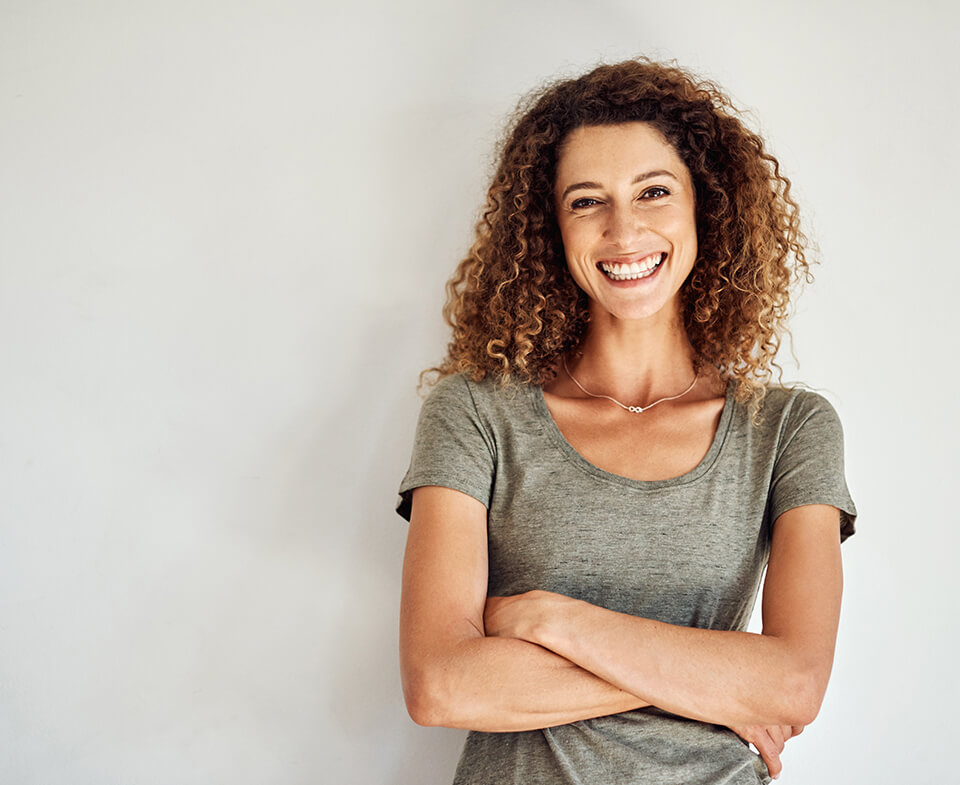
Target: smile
631,272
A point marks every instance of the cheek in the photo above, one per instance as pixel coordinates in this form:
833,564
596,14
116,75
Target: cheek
576,238
683,227
576,262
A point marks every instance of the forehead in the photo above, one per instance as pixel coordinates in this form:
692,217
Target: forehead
608,152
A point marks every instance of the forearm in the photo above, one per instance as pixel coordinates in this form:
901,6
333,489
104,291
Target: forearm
453,675
505,684
723,677
728,678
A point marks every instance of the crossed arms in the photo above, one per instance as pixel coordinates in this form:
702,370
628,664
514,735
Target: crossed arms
541,659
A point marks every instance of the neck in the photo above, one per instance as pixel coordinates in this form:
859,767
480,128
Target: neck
634,360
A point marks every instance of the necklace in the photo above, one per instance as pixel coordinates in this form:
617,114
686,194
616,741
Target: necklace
633,409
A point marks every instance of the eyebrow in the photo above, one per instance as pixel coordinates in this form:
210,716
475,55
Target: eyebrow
638,179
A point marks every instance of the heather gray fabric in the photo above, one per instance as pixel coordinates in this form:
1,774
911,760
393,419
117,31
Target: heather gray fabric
687,551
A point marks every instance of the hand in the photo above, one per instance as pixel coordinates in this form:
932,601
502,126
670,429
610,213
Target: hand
522,616
769,741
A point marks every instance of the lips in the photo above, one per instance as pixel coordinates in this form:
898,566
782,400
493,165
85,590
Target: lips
631,271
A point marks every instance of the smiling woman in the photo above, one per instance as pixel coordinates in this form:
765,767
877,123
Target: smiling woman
605,468
630,240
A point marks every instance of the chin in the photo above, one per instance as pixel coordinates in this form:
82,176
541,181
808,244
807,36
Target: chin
636,310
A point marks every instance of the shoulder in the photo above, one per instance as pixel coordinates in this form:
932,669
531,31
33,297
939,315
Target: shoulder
798,408
791,420
448,390
809,457
462,408
795,400
448,400
488,398
453,447
459,386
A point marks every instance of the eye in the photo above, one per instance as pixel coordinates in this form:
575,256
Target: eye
656,192
583,202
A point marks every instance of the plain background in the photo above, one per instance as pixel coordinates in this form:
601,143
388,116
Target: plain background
224,233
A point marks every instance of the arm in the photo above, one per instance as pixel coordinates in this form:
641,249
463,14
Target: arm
730,678
452,674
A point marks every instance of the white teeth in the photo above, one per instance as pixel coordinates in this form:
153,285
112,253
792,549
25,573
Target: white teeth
634,270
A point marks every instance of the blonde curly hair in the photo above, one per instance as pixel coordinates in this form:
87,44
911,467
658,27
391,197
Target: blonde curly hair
512,303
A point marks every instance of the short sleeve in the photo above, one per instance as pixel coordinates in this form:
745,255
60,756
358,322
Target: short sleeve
452,447
809,466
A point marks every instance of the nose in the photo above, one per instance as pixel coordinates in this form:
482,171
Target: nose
624,226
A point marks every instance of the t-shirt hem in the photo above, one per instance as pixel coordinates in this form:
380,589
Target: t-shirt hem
848,512
405,500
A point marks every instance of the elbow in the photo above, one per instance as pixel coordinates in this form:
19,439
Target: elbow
423,695
801,697
438,686
422,709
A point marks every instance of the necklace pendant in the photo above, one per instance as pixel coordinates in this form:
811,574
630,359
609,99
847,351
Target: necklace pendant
635,409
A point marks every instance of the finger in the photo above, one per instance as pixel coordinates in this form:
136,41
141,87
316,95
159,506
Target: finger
769,752
776,734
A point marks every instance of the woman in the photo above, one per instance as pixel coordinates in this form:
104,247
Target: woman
604,470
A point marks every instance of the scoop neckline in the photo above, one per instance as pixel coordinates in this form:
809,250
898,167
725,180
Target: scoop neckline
560,441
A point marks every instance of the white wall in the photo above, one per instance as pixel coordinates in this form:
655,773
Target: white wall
224,231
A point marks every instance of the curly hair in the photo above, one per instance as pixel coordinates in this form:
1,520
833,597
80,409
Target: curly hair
512,303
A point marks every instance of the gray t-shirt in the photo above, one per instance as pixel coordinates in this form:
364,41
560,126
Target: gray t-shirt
688,551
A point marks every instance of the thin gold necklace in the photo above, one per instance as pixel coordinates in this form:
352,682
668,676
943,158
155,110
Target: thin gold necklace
632,409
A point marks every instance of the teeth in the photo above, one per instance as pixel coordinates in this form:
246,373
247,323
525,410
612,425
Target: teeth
634,270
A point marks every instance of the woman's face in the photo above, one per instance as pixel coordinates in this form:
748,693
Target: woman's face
625,206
